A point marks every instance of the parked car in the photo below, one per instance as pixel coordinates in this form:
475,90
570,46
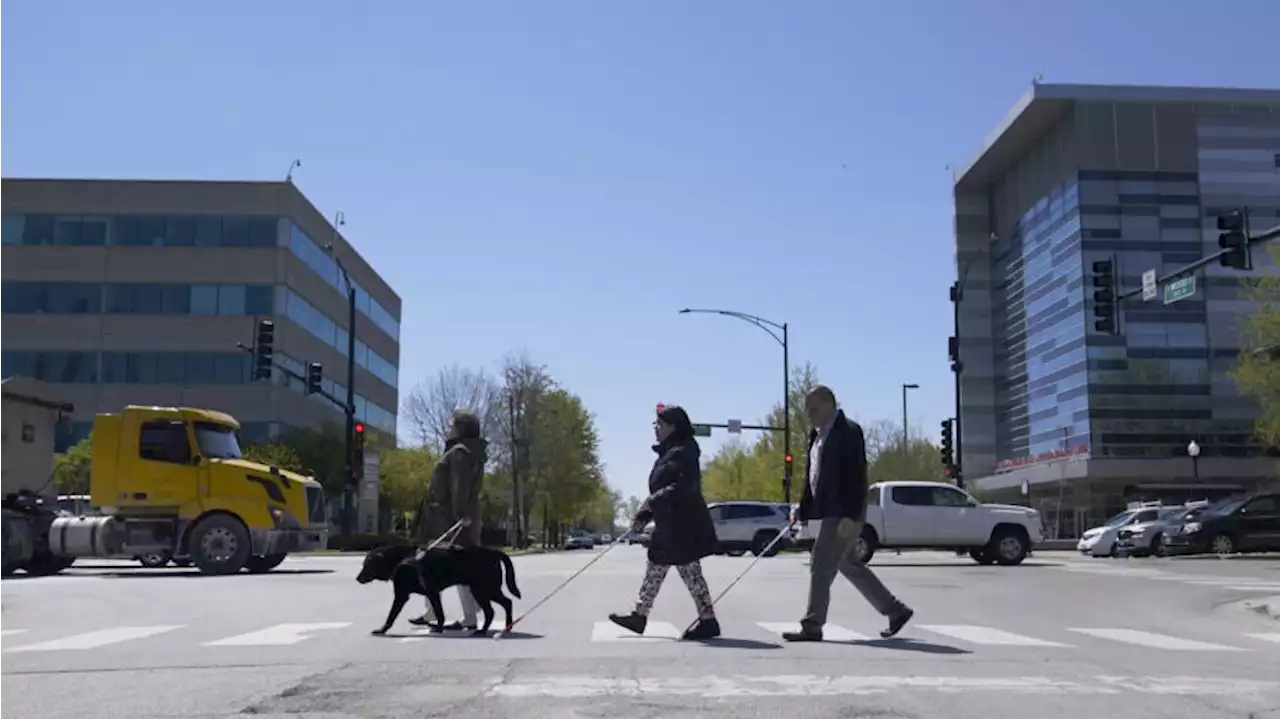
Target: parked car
935,515
1101,541
579,540
1240,524
746,526
1144,539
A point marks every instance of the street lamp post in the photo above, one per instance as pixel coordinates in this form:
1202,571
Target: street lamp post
348,443
1193,451
773,328
905,387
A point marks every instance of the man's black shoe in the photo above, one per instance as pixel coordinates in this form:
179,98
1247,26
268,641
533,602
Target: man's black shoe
631,622
804,635
704,629
897,623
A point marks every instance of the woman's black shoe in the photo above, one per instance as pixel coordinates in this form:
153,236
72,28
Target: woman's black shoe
631,622
704,629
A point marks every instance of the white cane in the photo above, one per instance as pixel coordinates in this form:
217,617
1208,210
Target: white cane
760,556
451,534
563,584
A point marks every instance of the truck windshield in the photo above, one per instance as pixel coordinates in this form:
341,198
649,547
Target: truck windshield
217,441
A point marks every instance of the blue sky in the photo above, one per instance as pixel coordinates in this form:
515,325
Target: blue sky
562,177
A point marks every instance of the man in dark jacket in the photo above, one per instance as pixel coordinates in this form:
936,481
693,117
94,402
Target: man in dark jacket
454,495
835,494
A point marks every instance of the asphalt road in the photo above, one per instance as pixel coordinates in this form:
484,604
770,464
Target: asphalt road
1060,636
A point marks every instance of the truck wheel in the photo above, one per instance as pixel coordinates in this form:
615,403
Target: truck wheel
219,544
154,560
1009,546
258,565
761,541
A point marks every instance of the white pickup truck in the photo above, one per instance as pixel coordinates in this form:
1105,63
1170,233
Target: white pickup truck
934,515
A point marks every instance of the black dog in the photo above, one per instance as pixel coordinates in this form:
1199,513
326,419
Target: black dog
479,568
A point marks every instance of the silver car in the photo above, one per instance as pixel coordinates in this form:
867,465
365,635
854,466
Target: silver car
1144,539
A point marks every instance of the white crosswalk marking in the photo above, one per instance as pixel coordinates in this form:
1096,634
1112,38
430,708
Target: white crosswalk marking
93,640
655,631
830,632
10,632
1266,637
1155,641
278,635
988,636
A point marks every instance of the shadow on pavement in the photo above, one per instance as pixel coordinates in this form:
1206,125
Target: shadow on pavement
426,636
734,643
906,645
961,565
142,573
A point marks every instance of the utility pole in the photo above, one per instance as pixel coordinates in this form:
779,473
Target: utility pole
351,477
516,494
957,366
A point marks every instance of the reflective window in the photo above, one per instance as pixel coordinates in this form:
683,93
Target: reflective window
204,299
68,230
175,367
52,297
320,261
321,326
52,366
366,411
195,230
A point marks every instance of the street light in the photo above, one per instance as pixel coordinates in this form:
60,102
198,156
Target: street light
905,387
772,328
340,220
1193,451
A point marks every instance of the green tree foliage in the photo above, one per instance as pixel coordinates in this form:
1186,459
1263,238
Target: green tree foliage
754,471
403,476
1258,372
71,468
275,454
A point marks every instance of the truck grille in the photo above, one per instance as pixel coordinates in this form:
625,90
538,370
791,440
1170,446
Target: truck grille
316,512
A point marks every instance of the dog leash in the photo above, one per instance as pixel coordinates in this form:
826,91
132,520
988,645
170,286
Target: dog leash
760,556
563,584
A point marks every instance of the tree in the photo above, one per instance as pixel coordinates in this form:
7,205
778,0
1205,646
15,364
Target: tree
1257,373
71,468
319,453
403,477
888,461
275,454
429,409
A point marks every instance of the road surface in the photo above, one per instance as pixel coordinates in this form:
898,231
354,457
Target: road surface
1060,636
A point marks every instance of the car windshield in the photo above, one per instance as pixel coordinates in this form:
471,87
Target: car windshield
1119,519
217,441
1226,506
1170,514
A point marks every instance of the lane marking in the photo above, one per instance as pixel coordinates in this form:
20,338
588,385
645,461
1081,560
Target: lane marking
654,631
988,636
10,632
1155,641
1266,637
93,640
277,636
1271,588
830,633
746,687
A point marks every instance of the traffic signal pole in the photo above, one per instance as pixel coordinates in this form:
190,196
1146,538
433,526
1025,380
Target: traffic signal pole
1273,233
350,411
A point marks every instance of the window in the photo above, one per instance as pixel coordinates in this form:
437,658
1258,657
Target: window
56,367
913,496
231,300
52,297
175,367
1263,506
717,513
75,230
873,497
217,441
945,497
204,299
259,300
320,262
164,441
186,231
148,299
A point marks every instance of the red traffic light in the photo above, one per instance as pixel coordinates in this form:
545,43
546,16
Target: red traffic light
359,428
661,406
787,459
949,471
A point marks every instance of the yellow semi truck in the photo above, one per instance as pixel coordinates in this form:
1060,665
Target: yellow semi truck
172,480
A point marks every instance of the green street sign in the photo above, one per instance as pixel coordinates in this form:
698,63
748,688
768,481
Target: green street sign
1179,289
701,430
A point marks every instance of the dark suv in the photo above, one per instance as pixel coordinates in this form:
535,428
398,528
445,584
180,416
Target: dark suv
1239,524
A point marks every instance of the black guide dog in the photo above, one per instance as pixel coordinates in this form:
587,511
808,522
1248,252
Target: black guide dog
414,571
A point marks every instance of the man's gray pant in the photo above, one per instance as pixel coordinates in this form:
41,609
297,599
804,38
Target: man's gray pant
831,554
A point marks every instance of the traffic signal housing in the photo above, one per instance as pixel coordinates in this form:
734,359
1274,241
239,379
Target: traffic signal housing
947,444
1105,314
264,349
1235,239
315,377
357,453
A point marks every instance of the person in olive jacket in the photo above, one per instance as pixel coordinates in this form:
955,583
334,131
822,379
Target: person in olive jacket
453,495
683,531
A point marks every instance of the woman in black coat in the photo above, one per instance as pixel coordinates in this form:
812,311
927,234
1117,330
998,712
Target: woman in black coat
683,532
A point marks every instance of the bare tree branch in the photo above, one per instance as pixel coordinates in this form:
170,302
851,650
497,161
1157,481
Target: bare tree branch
429,407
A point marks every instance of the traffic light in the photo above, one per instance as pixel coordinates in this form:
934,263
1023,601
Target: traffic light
661,406
1235,238
264,349
315,377
357,453
948,455
787,459
1104,297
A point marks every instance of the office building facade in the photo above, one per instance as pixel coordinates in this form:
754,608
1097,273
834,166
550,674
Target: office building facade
137,292
1076,420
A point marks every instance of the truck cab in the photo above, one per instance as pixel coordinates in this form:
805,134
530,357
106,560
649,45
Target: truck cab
173,480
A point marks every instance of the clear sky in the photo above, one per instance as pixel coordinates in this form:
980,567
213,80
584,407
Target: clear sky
562,177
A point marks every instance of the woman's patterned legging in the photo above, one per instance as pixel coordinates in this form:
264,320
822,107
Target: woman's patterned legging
691,574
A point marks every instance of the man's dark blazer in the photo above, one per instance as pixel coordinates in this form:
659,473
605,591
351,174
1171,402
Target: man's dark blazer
842,474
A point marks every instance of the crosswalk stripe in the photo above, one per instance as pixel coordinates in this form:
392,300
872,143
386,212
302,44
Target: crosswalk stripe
1271,588
1266,637
278,635
830,632
93,640
10,632
654,631
1155,641
987,635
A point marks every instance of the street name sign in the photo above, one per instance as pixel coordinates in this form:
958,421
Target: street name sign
1179,289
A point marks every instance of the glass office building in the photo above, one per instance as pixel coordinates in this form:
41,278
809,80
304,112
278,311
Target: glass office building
138,292
1052,409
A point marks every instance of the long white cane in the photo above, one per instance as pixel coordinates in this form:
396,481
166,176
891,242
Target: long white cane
760,556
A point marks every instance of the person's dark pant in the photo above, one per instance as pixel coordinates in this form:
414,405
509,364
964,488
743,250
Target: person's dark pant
834,554
691,573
